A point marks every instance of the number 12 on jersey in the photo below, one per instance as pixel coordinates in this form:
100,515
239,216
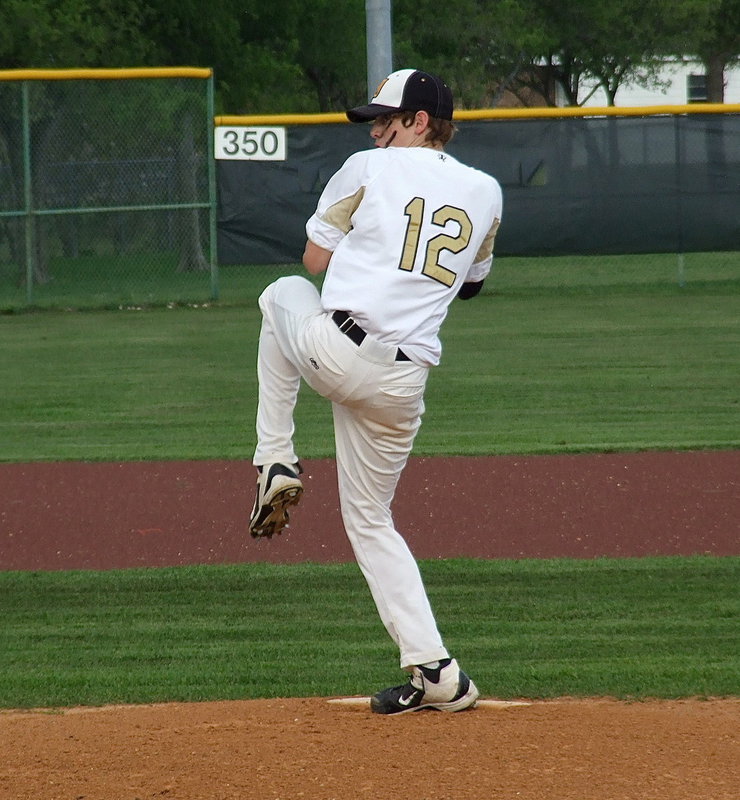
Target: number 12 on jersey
436,244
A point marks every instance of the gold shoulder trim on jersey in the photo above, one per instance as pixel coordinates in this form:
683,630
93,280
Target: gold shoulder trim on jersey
340,214
486,248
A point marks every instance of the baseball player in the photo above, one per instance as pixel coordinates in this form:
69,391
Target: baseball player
401,230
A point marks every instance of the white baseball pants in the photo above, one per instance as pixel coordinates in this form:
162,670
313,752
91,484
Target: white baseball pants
377,404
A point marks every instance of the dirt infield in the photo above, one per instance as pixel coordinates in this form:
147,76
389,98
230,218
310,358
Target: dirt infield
101,516
310,750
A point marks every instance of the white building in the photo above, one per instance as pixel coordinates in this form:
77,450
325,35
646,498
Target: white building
686,84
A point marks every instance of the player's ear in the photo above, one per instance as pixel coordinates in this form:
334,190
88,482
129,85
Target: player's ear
421,121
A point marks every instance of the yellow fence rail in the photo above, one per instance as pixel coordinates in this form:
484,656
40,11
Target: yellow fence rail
126,73
497,113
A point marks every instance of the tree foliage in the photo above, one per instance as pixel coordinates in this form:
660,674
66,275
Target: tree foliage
73,33
609,44
292,55
714,37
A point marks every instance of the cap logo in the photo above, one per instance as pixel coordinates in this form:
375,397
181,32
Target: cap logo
380,87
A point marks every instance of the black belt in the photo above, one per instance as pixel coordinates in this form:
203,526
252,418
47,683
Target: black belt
350,328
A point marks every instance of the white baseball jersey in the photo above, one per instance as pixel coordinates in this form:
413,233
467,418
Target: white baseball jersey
407,227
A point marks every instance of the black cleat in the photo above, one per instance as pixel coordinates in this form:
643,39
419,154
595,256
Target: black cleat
278,487
444,688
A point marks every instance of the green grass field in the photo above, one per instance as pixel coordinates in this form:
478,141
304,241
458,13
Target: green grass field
653,627
555,357
146,280
559,355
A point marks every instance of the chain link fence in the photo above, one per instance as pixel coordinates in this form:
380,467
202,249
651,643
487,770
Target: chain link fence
107,187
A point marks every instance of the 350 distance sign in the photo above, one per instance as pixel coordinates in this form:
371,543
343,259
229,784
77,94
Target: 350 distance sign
250,144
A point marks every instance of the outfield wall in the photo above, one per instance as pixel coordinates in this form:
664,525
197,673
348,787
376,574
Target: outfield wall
612,180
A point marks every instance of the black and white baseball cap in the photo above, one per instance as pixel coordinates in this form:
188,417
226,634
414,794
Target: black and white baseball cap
407,90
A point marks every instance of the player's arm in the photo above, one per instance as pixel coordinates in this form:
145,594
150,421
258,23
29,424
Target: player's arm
481,265
469,289
332,220
315,258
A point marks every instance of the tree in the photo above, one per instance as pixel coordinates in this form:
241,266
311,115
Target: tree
335,63
591,43
527,47
73,33
550,52
479,49
714,38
